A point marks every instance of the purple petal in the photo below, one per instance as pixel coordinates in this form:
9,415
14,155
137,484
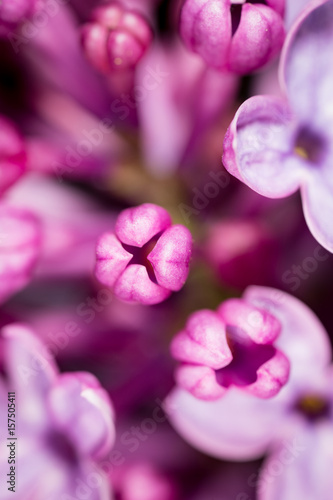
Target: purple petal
171,257
301,467
305,69
317,199
134,285
252,48
262,327
80,407
203,342
199,381
111,259
136,226
303,338
271,377
238,426
259,147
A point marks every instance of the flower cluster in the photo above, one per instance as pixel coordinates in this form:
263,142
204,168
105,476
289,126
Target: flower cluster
165,319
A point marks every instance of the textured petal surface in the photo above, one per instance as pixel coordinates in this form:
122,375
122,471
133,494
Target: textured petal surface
136,226
134,285
203,342
111,259
199,381
258,38
171,257
259,147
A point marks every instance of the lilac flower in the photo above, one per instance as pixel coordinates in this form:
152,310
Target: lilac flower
298,421
116,39
238,35
64,422
20,240
231,347
277,146
146,258
12,154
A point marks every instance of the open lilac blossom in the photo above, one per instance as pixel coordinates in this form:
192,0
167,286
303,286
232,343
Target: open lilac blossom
238,35
12,155
233,346
146,258
116,39
20,241
239,426
66,422
277,146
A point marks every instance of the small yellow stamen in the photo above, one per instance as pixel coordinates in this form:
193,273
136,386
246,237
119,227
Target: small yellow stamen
301,152
118,61
312,404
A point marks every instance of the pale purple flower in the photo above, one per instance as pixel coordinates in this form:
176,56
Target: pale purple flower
20,241
241,427
12,154
238,35
146,258
277,146
116,39
64,423
233,346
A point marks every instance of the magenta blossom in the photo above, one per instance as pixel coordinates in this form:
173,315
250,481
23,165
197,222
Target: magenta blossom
12,154
20,241
64,423
277,146
231,347
116,39
296,426
146,258
238,35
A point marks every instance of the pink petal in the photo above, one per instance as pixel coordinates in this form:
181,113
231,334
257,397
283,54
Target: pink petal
271,377
134,285
199,381
111,259
203,342
171,257
259,147
262,327
136,226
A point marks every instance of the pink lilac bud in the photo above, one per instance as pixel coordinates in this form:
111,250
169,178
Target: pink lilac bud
233,346
12,155
116,39
146,258
13,12
236,35
19,248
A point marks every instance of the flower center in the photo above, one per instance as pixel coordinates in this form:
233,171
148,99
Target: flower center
248,357
140,256
309,145
313,407
62,447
